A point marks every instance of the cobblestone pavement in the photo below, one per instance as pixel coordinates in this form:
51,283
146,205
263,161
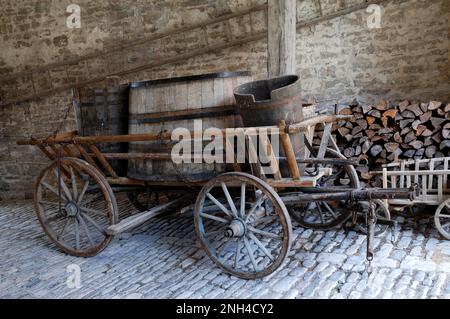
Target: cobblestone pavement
162,259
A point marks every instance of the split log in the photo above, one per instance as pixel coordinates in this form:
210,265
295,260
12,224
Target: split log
385,132
391,147
430,151
411,136
424,107
403,105
382,106
437,121
366,108
415,108
376,150
446,131
425,117
434,105
416,144
405,123
408,114
375,113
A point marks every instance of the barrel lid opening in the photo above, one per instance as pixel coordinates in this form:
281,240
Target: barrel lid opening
263,90
198,77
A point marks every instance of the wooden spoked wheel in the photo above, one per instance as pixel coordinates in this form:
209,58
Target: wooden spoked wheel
442,219
324,215
381,211
75,215
243,225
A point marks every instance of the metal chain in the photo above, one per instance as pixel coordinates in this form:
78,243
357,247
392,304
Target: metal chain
393,232
58,159
64,119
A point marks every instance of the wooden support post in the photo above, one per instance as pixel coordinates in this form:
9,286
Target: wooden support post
289,151
281,22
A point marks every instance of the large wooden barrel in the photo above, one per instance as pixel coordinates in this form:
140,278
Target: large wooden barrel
103,110
164,105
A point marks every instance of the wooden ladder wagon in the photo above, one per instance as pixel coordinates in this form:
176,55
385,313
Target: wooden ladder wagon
432,175
240,220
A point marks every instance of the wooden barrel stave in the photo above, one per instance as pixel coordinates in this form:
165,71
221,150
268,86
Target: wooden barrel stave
209,93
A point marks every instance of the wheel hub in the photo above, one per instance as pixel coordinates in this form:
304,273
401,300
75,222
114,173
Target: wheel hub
71,209
236,228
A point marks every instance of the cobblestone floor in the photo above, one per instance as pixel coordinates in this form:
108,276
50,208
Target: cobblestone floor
161,259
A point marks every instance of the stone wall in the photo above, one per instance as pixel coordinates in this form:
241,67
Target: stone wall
339,60
408,57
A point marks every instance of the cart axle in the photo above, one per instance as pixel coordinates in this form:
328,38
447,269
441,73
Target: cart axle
353,195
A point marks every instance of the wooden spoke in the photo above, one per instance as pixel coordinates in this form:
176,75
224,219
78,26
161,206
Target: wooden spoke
63,229
250,253
77,234
97,226
83,191
92,199
218,204
228,197
261,246
330,210
86,229
55,217
74,184
53,190
237,253
445,225
265,220
218,219
63,185
46,202
255,206
320,213
242,206
214,233
264,233
444,216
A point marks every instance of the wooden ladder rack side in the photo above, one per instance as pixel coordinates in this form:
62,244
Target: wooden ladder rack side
69,151
269,153
253,158
103,161
446,168
231,156
431,176
86,156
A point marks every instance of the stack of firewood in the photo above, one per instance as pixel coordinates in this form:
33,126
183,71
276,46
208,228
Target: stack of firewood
390,131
